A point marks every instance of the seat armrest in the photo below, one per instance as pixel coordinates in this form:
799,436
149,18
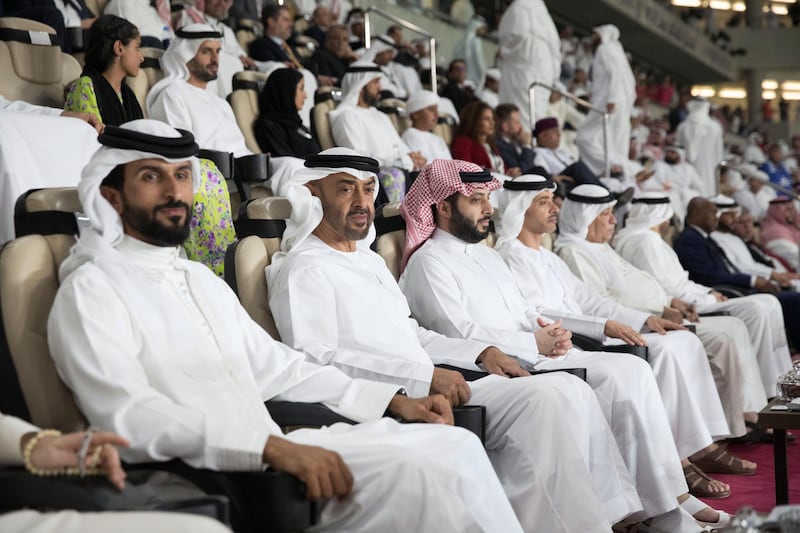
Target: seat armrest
715,313
578,372
589,344
287,414
732,291
473,418
469,375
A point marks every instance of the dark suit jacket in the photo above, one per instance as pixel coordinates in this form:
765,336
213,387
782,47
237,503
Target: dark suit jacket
265,49
704,261
316,33
508,151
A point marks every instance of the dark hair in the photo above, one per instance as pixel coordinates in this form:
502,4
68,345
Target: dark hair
453,63
468,121
100,39
277,96
503,111
271,11
115,178
452,199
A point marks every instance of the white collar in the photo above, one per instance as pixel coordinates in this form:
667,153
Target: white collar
148,255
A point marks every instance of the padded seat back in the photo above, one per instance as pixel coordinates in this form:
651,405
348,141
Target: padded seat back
28,284
305,46
149,74
247,31
244,101
260,226
444,128
96,6
32,65
321,122
395,109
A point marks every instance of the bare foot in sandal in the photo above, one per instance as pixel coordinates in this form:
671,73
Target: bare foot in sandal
703,486
716,459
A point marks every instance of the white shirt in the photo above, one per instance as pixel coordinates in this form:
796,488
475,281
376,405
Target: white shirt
12,429
25,107
602,269
159,350
430,145
681,183
72,18
345,309
553,161
547,282
142,15
370,132
203,113
737,253
645,249
466,291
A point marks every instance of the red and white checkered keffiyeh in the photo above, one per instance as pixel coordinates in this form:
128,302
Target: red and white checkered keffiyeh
438,180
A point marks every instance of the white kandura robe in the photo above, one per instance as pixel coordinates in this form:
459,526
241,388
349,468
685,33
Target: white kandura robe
702,136
370,132
466,290
430,145
612,82
553,161
761,313
38,149
345,309
688,356
159,350
142,15
680,182
530,50
206,115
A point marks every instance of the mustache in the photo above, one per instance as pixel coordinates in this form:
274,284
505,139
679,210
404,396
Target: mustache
360,211
172,205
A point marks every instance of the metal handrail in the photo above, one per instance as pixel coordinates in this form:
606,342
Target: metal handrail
580,102
410,27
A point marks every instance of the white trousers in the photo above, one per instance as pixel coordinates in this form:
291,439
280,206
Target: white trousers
552,448
590,139
730,353
632,405
687,387
412,477
763,316
118,522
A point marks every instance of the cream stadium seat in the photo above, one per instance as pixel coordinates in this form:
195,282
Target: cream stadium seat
150,73
325,101
444,128
32,65
96,6
395,109
259,226
305,46
247,87
247,31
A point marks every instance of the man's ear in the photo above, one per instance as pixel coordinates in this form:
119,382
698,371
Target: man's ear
444,210
313,186
113,196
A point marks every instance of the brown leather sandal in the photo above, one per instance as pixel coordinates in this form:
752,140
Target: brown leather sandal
720,461
700,484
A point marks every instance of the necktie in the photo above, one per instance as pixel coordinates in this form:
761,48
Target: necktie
292,58
717,248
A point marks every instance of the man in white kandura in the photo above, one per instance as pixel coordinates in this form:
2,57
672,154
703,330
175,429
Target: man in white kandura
528,213
335,299
614,91
530,50
586,224
640,243
357,124
182,100
460,288
702,136
423,108
158,349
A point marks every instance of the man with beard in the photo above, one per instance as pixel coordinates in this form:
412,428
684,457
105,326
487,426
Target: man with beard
708,263
181,99
458,287
358,125
159,350
676,178
333,298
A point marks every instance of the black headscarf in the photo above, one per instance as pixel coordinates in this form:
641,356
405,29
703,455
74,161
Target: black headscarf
276,102
278,128
112,111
